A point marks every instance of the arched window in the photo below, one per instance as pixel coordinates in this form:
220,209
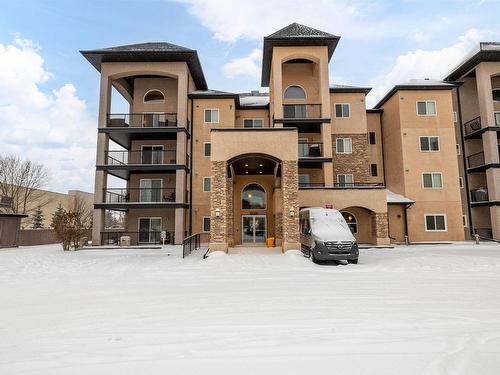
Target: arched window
496,95
154,96
253,197
351,221
294,92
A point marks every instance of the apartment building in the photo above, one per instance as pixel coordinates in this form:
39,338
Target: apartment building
239,166
476,103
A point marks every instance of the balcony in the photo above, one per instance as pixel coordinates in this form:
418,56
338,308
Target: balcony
345,185
122,163
302,113
311,154
112,238
474,129
475,160
126,198
479,195
124,128
142,120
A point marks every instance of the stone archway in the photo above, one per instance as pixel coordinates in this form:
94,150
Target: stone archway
371,226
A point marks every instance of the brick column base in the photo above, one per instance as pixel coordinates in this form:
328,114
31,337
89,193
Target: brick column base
380,228
219,203
290,191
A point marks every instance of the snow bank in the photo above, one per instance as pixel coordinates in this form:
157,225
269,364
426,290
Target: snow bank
408,310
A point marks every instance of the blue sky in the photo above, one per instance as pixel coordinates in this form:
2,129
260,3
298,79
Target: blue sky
382,43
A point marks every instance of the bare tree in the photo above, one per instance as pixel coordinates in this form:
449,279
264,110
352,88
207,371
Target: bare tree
70,226
21,181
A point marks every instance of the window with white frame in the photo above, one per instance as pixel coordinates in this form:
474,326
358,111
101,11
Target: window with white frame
345,179
432,180
426,108
435,222
207,184
342,110
429,144
461,182
206,223
497,118
465,221
455,116
253,123
211,116
344,146
459,149
207,149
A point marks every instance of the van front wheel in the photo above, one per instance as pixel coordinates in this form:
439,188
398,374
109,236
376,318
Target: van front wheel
353,261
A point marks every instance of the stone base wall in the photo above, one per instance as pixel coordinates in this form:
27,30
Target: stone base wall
356,163
380,227
218,200
289,188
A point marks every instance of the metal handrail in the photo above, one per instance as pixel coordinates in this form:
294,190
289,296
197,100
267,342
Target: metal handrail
351,185
126,195
141,157
298,111
112,237
192,243
308,149
475,160
479,195
142,120
472,125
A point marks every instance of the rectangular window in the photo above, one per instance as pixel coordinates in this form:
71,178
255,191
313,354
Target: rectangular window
497,118
253,123
459,149
435,222
207,184
152,155
212,116
455,116
345,179
429,143
432,180
342,110
206,223
461,182
304,180
465,221
344,146
371,138
207,149
426,108
373,170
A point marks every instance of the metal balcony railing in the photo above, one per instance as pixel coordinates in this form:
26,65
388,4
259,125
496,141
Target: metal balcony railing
136,238
479,195
358,185
310,149
142,120
301,111
475,160
139,195
472,125
311,184
143,157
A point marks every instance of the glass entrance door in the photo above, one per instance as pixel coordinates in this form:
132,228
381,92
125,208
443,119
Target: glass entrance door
253,229
149,229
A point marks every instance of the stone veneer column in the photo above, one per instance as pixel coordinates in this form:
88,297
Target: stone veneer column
230,212
290,191
380,228
219,200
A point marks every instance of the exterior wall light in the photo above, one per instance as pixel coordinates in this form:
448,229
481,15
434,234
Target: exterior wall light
217,212
292,212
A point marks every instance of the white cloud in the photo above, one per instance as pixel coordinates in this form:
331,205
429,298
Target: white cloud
233,20
54,129
424,64
246,66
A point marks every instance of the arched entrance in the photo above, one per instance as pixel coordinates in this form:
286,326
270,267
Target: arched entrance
256,182
362,223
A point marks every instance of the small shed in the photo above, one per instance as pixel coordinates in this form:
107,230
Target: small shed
10,225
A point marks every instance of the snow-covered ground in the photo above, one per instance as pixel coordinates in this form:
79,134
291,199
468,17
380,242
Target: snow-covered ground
409,310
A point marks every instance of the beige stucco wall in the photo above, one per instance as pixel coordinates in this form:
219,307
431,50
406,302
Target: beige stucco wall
375,155
356,122
245,114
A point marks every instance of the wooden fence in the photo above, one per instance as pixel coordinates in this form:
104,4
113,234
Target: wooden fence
31,237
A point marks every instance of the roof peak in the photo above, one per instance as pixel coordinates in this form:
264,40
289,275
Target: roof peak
144,47
297,30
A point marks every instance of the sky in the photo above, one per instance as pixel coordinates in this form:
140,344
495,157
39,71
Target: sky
49,92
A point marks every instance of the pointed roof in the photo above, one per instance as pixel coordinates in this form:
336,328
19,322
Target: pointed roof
295,34
149,52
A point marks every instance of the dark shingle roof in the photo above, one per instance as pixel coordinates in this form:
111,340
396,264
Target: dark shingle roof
346,88
417,84
487,51
149,52
295,35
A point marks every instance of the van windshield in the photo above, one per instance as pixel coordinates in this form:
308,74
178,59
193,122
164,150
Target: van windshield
329,222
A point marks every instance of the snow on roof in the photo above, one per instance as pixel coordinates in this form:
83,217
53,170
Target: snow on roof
247,100
397,198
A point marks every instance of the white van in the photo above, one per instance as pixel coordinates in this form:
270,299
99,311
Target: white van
325,235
